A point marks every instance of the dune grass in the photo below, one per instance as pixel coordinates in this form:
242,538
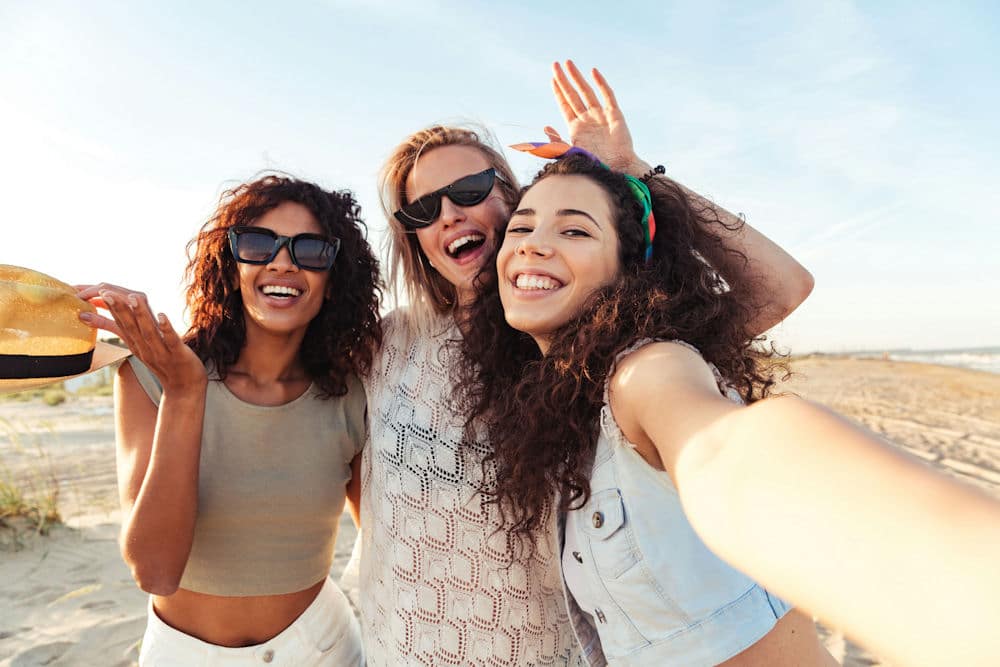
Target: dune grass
29,500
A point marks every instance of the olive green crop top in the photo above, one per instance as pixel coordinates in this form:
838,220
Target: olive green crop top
271,488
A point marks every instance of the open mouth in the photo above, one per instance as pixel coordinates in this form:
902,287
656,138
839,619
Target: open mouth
465,245
281,291
536,282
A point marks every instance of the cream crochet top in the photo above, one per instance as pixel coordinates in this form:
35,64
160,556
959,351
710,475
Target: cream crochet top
435,585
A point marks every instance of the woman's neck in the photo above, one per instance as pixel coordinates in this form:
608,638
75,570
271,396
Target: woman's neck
543,343
268,358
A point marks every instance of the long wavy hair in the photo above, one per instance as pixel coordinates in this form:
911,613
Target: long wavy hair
411,275
343,336
541,413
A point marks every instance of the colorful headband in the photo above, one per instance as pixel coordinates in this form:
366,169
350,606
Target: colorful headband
555,150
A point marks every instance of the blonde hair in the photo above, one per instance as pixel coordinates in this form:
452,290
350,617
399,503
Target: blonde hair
429,294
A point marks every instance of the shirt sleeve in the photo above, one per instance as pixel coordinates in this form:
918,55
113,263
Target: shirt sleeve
146,379
356,415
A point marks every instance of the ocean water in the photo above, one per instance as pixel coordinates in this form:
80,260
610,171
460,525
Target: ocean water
980,358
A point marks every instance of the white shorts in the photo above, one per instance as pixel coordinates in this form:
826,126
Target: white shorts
325,634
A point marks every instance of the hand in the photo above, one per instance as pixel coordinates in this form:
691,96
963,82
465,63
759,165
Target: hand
599,129
152,340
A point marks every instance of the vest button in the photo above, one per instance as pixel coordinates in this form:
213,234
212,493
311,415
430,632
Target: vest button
268,656
598,519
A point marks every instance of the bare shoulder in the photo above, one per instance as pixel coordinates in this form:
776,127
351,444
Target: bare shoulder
659,367
659,395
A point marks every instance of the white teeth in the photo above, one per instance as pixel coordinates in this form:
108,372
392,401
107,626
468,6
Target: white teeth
461,241
529,281
273,290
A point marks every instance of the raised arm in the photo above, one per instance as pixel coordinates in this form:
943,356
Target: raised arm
823,512
158,448
782,283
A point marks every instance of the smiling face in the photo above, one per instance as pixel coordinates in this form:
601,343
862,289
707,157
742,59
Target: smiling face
460,240
561,245
279,297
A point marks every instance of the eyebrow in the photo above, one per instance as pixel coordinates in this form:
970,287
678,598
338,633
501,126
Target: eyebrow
561,212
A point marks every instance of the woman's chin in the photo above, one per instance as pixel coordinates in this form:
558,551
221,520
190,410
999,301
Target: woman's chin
538,327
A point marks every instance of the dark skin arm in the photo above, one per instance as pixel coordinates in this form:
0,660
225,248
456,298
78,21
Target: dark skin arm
158,448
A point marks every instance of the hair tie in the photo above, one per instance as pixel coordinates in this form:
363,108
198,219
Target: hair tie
553,150
556,150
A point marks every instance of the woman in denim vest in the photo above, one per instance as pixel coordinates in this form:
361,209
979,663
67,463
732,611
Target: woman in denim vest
573,275
612,366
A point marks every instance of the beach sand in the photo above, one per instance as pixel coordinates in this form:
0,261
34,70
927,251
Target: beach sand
67,598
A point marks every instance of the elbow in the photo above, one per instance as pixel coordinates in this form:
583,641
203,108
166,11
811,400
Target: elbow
155,581
801,288
153,577
806,283
161,588
796,290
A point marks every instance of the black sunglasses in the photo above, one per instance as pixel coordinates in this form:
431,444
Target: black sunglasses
466,191
259,245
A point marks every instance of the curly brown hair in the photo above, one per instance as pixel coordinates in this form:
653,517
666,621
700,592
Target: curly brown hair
541,413
343,336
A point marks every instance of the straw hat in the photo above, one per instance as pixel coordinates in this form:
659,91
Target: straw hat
42,339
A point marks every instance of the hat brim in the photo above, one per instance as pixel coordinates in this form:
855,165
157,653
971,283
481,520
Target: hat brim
105,354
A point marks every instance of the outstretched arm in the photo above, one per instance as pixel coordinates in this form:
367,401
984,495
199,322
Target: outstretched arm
823,512
782,283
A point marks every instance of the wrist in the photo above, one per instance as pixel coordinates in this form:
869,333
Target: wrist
636,166
187,389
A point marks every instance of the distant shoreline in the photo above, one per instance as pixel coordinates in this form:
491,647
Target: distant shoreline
983,359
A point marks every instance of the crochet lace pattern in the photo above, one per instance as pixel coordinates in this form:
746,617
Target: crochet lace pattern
436,584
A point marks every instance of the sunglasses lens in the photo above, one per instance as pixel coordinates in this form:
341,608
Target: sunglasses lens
254,246
314,253
473,189
424,211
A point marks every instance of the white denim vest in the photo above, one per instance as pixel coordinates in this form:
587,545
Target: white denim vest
660,596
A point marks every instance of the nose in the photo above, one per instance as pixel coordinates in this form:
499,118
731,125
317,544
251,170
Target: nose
451,213
534,244
283,260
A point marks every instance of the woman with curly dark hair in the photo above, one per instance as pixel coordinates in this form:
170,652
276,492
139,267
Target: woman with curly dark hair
614,374
236,443
569,312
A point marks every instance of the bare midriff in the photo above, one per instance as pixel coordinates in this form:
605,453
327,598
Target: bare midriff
233,621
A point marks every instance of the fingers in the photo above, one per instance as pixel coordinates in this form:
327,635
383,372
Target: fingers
605,88
170,336
564,106
144,320
588,93
123,315
572,97
88,292
100,322
552,134
134,322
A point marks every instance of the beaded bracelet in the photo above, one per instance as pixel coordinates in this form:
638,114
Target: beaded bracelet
655,171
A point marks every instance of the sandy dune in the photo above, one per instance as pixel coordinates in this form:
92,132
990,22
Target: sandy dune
67,599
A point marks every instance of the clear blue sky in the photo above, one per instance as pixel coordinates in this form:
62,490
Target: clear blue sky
862,137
